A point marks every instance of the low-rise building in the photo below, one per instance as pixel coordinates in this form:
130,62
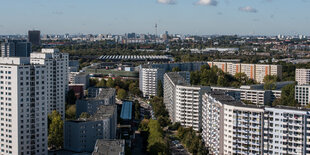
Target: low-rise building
79,78
80,135
109,147
96,97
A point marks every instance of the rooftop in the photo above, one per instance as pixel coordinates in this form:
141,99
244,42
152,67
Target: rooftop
126,112
100,93
109,147
177,78
226,99
103,112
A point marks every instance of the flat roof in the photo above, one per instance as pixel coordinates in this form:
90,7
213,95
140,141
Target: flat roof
126,112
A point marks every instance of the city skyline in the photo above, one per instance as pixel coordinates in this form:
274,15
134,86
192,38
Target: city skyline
198,17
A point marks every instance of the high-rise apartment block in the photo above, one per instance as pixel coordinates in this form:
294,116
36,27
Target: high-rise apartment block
183,101
232,127
302,76
302,94
15,48
152,73
255,96
149,75
34,36
56,77
23,107
149,79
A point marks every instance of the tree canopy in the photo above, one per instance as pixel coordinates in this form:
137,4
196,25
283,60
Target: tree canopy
287,97
55,132
121,94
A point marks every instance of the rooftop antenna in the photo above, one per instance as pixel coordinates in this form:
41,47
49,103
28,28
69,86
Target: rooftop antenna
155,32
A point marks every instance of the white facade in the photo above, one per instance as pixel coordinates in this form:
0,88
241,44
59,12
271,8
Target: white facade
255,96
231,127
57,77
302,76
79,78
286,131
302,94
23,107
148,80
183,101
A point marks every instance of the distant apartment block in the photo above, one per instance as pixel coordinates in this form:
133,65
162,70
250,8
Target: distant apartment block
74,66
302,76
149,79
254,71
183,101
149,75
23,107
56,77
232,127
34,36
255,96
81,135
15,48
302,94
96,98
79,78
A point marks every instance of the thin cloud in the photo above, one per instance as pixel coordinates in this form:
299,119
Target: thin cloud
167,1
248,9
207,2
57,13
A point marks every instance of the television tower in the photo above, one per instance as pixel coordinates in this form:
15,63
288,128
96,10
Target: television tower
155,32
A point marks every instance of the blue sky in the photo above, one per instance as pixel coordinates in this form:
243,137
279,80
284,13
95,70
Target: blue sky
203,17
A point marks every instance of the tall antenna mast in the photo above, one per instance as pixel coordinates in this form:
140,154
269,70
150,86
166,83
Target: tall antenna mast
155,32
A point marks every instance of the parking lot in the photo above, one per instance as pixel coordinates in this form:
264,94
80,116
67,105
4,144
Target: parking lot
177,148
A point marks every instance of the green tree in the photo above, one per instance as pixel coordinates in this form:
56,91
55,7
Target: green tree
93,82
134,89
288,95
156,143
242,78
176,69
102,83
270,82
55,132
70,112
71,98
160,90
121,94
84,115
110,83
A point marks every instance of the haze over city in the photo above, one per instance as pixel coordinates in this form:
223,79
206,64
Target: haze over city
154,77
198,17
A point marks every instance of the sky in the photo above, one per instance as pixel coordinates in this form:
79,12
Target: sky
198,17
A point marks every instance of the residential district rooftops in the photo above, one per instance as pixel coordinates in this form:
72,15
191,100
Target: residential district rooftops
126,112
177,79
100,93
109,147
103,112
228,100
